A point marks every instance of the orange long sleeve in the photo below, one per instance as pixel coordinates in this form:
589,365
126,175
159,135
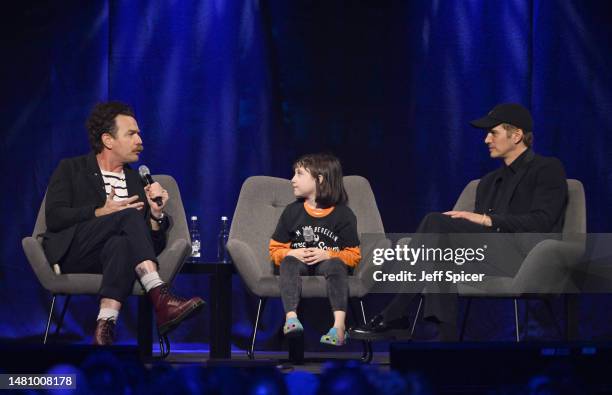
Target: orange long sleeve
350,255
278,251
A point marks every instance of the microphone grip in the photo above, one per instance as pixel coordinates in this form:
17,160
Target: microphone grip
158,200
150,181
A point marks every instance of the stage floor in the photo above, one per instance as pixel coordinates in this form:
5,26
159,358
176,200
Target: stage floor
314,362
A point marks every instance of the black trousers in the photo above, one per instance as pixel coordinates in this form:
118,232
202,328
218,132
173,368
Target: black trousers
111,245
436,230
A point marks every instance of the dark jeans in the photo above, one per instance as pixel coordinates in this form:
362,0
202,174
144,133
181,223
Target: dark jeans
334,271
111,245
440,300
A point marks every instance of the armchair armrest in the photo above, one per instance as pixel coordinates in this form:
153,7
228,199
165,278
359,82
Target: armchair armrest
246,262
38,261
172,258
548,267
365,270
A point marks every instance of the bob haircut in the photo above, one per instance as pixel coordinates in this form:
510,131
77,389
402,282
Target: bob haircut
330,191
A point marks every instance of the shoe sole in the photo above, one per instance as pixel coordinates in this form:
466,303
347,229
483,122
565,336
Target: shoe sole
170,326
334,344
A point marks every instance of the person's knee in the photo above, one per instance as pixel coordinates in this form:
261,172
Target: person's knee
127,215
336,266
432,222
131,213
131,218
290,264
434,218
290,260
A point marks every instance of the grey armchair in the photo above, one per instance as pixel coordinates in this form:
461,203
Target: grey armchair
170,261
260,204
547,269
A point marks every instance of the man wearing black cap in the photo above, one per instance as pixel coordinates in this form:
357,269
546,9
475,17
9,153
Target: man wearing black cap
527,194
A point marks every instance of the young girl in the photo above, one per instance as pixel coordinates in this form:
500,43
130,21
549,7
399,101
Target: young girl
316,235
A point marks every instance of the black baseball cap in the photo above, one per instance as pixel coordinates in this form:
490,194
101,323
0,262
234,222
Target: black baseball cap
511,113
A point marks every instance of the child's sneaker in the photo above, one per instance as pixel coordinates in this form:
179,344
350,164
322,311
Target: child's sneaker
293,327
332,338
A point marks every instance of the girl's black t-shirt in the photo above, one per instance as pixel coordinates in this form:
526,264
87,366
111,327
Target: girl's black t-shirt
334,231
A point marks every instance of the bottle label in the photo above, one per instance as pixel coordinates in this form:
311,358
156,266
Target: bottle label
195,248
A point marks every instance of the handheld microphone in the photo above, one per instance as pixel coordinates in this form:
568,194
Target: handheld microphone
309,237
145,174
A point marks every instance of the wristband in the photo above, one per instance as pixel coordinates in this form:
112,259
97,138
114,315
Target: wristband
159,220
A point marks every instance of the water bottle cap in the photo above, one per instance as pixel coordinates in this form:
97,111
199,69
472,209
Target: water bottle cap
194,218
224,218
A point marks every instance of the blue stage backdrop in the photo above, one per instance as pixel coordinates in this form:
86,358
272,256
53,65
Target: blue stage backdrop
224,90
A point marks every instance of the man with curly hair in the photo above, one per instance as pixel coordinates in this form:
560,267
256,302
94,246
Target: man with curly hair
101,218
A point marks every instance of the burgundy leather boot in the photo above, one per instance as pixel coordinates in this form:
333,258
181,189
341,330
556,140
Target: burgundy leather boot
171,310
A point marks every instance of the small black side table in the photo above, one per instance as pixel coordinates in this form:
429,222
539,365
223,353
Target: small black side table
219,309
219,306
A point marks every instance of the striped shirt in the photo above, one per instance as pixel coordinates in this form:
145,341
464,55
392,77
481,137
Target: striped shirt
117,181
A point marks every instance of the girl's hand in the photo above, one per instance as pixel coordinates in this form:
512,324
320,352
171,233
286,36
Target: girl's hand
315,255
299,253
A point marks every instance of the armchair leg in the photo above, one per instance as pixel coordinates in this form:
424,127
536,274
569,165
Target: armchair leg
465,319
164,347
416,316
516,321
526,321
367,354
49,319
363,314
62,315
260,307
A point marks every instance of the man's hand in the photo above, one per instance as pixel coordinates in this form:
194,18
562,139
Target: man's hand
155,190
479,219
111,206
315,255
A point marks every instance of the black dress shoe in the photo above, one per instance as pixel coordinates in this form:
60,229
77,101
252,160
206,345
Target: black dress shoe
379,329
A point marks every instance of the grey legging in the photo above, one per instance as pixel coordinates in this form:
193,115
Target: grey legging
334,271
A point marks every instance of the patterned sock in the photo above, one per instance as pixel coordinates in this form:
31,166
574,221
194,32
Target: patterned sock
108,314
150,281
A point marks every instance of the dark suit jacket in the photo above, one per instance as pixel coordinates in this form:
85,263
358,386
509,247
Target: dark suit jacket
535,200
76,189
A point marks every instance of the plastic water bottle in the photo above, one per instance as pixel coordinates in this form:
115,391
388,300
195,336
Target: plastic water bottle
222,254
194,233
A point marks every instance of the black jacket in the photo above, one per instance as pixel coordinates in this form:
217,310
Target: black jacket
535,198
75,191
